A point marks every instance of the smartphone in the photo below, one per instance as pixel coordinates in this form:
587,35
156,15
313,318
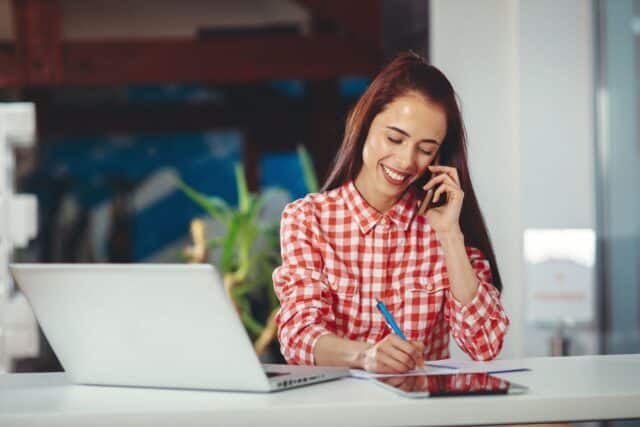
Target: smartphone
473,384
427,200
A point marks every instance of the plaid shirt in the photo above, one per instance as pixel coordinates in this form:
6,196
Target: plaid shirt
339,254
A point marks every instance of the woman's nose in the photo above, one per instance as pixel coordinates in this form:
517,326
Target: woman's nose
405,158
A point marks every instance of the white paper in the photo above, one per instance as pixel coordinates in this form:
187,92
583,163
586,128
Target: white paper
491,367
427,370
451,366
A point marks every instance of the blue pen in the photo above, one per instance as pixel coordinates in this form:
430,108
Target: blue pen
389,318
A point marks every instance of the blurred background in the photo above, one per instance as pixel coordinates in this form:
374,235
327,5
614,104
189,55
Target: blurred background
105,106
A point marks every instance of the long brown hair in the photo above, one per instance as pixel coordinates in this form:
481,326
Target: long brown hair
409,72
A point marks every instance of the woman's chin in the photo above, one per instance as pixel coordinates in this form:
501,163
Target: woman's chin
393,190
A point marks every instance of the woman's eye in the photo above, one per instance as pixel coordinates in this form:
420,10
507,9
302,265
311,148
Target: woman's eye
395,141
428,153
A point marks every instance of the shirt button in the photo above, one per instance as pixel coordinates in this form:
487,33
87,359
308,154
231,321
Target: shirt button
334,286
429,287
383,221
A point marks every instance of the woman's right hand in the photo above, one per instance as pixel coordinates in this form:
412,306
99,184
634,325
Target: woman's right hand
393,355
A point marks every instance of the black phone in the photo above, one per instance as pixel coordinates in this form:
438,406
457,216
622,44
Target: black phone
427,200
420,182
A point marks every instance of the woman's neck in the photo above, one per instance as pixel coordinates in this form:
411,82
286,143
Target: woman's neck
376,200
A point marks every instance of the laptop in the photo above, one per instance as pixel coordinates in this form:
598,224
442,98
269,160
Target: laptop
151,325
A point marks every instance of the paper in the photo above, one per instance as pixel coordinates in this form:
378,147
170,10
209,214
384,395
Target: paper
491,367
450,366
427,370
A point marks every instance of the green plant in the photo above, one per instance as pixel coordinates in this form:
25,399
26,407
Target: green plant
250,248
246,261
308,171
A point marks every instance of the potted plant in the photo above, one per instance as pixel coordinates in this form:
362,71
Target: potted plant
250,249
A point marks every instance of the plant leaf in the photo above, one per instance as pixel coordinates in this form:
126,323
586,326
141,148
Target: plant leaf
230,242
252,325
308,171
215,242
243,190
214,206
247,287
254,208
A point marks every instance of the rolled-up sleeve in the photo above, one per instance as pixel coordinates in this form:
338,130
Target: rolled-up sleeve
305,302
480,326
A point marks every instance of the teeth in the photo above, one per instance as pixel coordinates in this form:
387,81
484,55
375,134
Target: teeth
394,175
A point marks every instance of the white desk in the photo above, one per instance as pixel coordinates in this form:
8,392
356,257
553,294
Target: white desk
561,389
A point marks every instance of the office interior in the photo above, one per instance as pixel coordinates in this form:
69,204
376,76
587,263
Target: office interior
106,107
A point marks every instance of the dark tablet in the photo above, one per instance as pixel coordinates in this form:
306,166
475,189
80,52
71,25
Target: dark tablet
448,385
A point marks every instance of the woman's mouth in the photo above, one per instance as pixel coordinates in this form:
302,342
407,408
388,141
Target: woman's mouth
394,177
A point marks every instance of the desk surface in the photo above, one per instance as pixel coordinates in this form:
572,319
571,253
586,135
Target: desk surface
561,389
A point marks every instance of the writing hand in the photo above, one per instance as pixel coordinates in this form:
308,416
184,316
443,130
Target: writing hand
393,355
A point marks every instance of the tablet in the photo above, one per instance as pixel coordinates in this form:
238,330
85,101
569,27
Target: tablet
448,385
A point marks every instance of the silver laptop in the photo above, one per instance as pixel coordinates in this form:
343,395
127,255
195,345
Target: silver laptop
153,325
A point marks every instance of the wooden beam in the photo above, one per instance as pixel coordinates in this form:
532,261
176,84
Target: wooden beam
41,58
232,59
226,60
38,32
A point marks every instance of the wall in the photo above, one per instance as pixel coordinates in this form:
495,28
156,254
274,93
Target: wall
557,126
523,70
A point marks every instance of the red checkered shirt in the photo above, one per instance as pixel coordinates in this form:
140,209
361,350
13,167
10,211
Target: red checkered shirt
339,254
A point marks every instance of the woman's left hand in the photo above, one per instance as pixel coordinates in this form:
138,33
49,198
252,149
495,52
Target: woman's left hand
445,218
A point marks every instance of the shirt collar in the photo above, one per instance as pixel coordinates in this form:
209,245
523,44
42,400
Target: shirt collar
401,213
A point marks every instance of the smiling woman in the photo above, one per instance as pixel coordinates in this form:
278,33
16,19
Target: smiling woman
363,238
402,142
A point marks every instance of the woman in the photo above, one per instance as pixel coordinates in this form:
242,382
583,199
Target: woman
362,239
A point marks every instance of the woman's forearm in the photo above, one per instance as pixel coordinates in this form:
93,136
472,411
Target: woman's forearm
332,350
462,277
